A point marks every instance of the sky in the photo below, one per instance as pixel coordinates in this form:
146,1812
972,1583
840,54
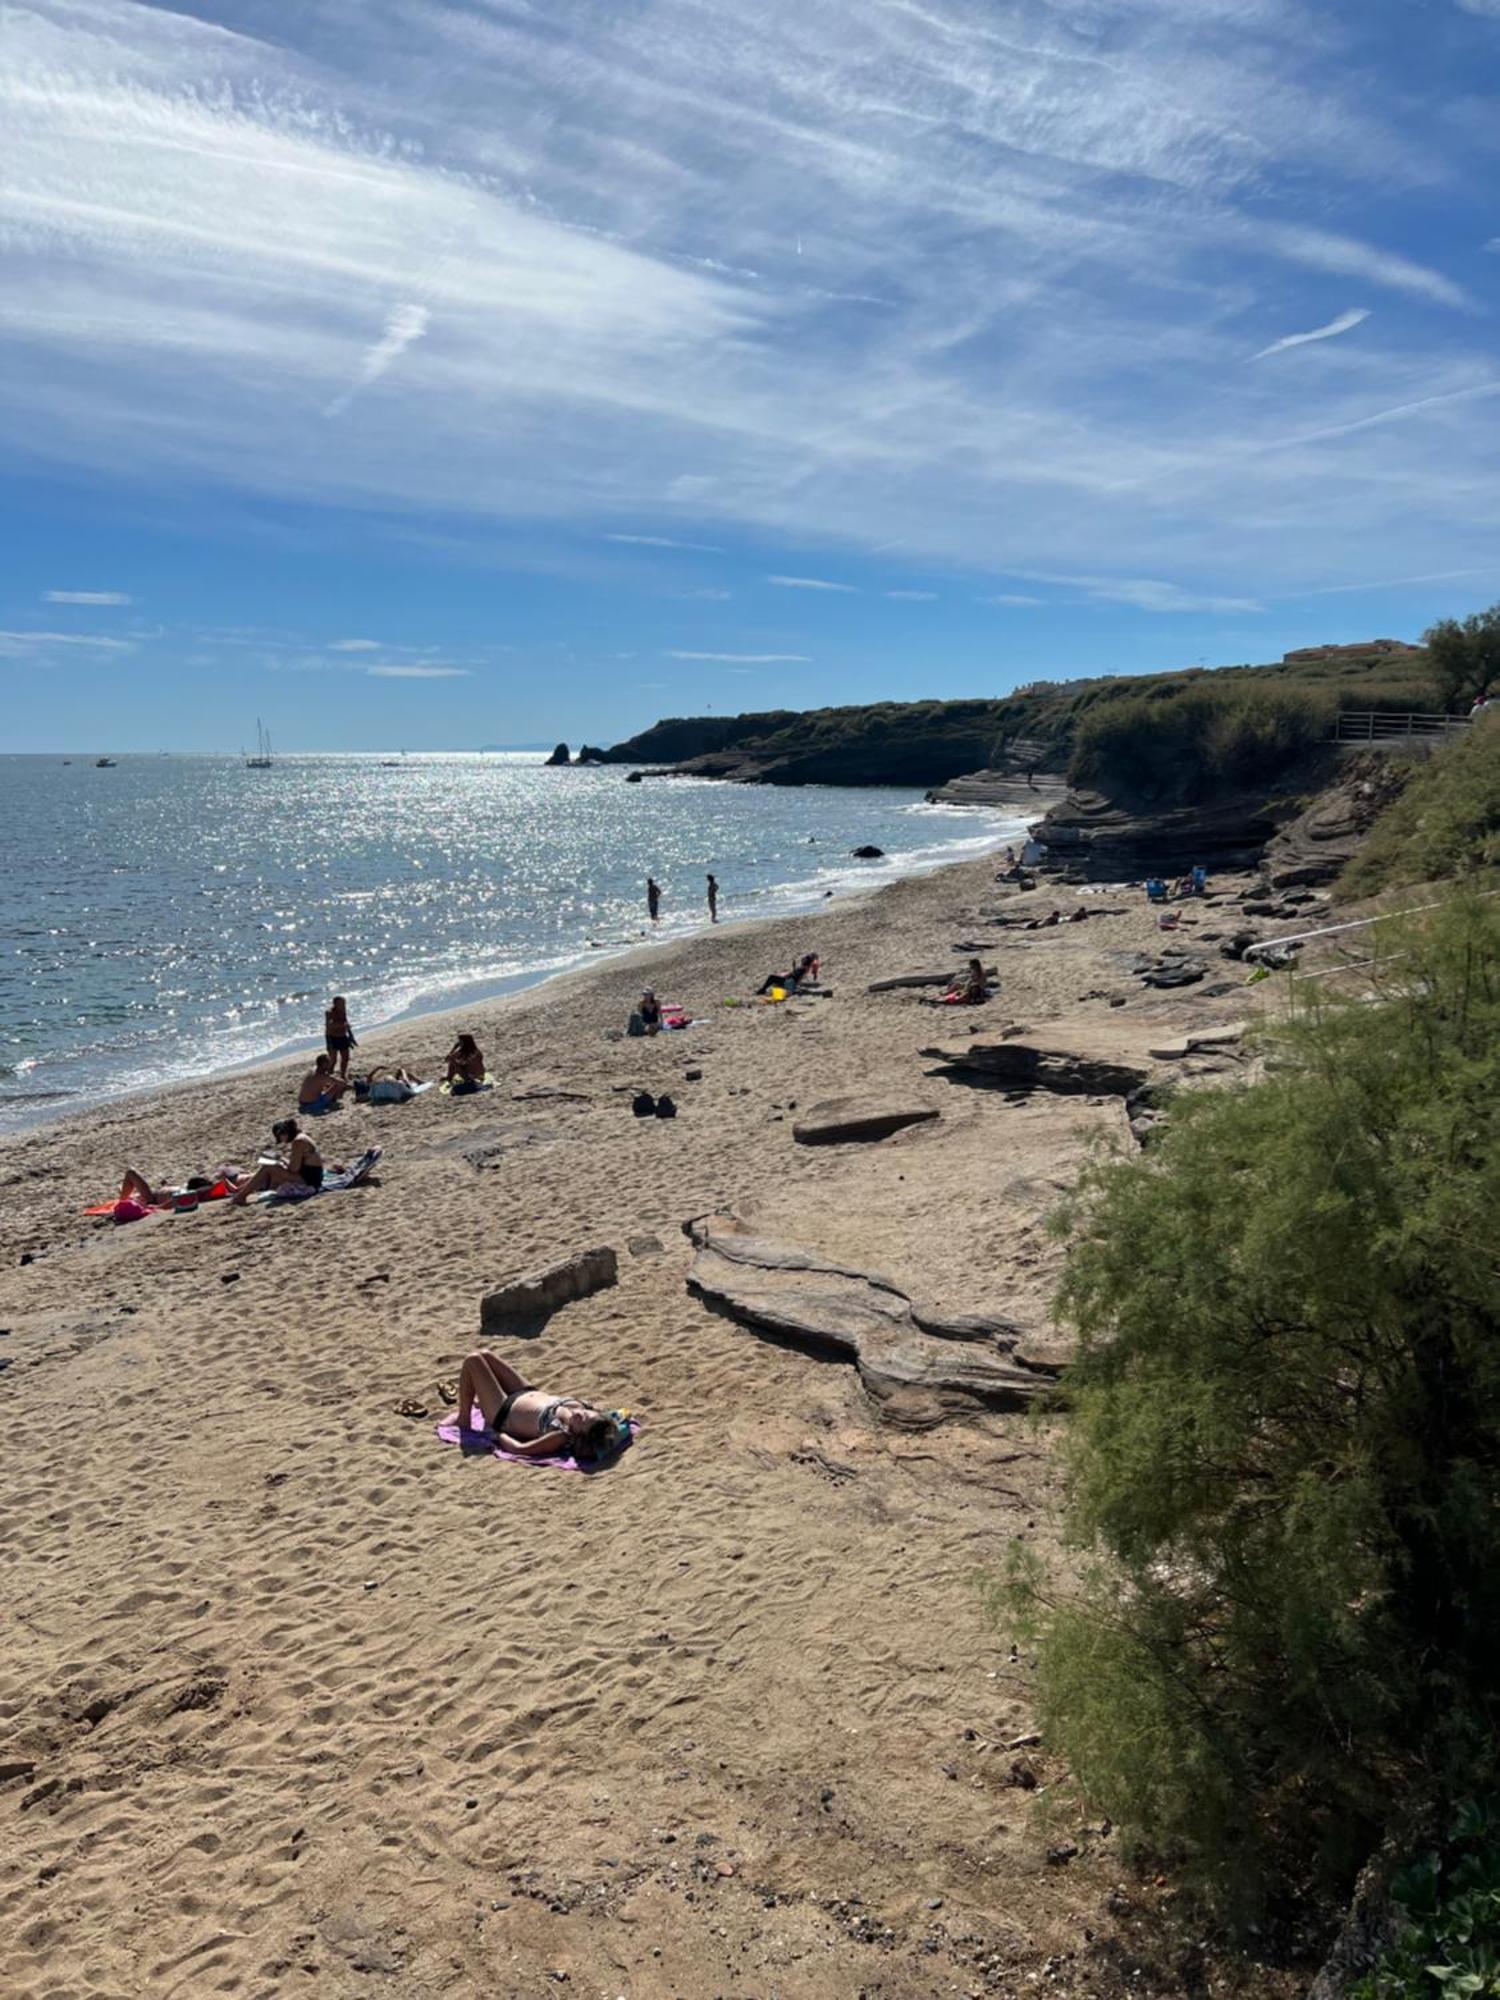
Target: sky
429,373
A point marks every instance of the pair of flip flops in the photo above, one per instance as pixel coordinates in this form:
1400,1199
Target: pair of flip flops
644,1105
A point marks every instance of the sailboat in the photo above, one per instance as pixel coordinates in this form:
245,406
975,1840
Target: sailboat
261,761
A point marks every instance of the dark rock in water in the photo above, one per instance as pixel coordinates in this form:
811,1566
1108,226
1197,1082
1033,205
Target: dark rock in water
559,755
918,1366
588,754
541,1294
633,777
868,853
846,1120
1024,1066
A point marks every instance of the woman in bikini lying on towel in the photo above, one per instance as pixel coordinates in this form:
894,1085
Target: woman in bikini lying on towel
531,1422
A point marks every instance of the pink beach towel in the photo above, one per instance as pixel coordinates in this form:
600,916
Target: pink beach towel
448,1432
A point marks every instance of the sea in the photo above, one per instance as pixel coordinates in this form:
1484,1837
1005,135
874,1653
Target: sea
177,916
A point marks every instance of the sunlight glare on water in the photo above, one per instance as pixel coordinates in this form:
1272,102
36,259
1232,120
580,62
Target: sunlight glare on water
177,915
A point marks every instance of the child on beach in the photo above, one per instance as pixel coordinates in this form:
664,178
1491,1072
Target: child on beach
527,1421
338,1036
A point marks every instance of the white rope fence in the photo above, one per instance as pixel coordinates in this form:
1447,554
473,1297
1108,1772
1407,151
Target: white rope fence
1355,924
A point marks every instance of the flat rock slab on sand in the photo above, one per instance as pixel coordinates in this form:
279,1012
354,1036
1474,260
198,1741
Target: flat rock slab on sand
838,1121
918,1366
538,1296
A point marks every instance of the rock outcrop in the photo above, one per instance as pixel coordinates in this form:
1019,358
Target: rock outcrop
1022,779
843,1121
1091,838
559,756
522,1302
918,1366
919,743
1312,848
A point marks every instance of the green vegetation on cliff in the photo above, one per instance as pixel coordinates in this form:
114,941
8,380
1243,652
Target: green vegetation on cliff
1278,1633
1171,734
1446,823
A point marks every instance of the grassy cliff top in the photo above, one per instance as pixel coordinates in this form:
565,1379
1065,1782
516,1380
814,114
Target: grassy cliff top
1165,731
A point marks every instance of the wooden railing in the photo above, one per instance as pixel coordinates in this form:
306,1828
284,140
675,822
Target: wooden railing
1374,725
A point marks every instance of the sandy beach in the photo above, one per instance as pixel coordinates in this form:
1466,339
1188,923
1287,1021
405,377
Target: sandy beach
297,1699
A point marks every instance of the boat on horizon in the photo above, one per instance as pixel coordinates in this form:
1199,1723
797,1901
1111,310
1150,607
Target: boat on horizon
104,763
261,761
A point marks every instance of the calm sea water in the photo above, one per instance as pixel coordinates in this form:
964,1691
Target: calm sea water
178,915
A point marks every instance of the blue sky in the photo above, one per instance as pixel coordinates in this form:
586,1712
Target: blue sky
428,373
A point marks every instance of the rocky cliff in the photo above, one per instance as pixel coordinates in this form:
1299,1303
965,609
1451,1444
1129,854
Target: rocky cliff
920,743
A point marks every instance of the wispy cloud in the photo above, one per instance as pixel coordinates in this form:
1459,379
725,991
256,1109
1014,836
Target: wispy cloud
913,596
1474,392
19,645
746,659
811,583
665,542
1144,593
1343,324
420,673
92,597
1487,9
1149,593
1012,597
404,324
967,280
355,646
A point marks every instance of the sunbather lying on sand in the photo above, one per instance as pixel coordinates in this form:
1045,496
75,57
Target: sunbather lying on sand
197,1187
383,1086
530,1422
301,1162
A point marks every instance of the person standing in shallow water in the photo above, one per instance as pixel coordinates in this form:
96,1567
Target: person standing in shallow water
713,899
653,898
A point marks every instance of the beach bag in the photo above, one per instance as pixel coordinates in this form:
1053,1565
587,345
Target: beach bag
644,1105
665,1108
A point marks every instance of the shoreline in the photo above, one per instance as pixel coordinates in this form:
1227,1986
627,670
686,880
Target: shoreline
62,1108
290,1684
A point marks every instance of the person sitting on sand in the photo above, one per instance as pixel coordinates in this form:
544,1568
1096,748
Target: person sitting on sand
525,1420
465,1062
648,1008
321,1089
972,990
301,1162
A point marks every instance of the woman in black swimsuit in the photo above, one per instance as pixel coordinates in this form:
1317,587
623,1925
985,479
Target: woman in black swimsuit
531,1422
302,1162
